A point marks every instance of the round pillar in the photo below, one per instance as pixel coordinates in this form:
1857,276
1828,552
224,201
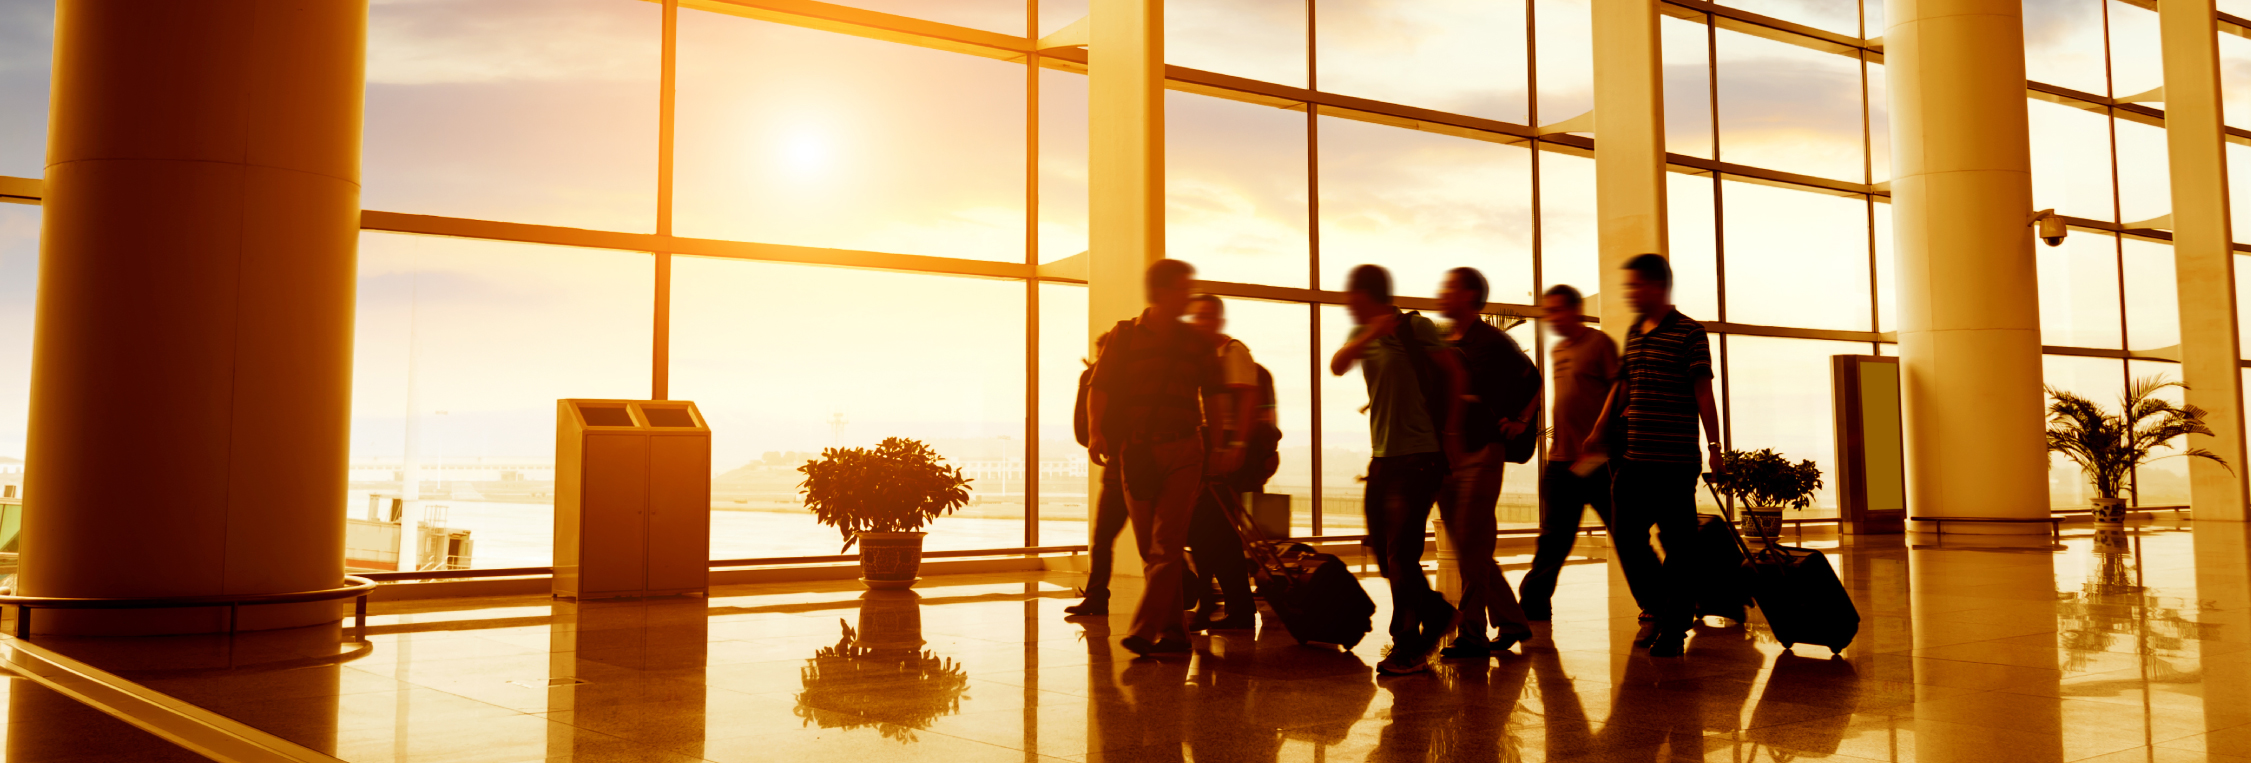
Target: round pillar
1969,315
191,372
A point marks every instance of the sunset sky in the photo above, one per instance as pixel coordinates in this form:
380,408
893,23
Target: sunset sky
544,111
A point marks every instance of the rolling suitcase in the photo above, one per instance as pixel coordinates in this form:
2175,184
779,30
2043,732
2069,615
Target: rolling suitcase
1721,590
1317,597
1799,593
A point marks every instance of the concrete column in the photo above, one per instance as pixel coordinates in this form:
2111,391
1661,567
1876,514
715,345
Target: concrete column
1126,172
2203,255
1629,148
1969,314
191,372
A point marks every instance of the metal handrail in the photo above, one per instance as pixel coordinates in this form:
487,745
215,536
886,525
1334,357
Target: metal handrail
355,587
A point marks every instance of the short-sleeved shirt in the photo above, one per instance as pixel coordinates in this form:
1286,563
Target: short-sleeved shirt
1488,355
1155,375
1660,370
1398,424
1584,368
1236,371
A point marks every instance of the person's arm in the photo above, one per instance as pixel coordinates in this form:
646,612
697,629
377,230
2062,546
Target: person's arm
1594,442
1708,411
1457,387
1523,420
1352,350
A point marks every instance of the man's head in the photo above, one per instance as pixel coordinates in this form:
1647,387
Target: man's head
1649,284
1367,292
1564,310
1463,293
1207,315
1167,283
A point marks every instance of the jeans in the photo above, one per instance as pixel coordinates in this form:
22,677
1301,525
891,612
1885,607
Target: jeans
1565,498
1650,493
1218,553
1466,504
1162,481
1109,521
1400,491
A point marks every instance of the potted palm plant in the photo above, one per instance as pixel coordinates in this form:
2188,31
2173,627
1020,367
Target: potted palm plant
2110,446
1764,483
880,498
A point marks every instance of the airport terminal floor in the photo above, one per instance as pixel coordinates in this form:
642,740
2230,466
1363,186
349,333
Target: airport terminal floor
2122,648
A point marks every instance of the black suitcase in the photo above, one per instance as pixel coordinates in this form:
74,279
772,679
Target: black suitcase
1801,597
1799,593
1317,597
1721,590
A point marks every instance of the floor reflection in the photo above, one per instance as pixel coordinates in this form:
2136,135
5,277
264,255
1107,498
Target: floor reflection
2112,647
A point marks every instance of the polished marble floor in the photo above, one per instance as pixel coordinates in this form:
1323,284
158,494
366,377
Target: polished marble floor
2126,648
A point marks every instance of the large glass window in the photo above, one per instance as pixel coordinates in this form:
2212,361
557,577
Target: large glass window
1463,56
2101,380
1564,34
1063,168
1065,474
2153,308
2079,299
27,45
2136,65
1688,84
2063,44
1569,250
2145,189
2164,480
1003,16
1840,16
1279,335
883,147
1788,108
1236,191
19,274
523,112
1692,239
1796,258
1257,39
461,348
1420,203
1779,396
2070,160
786,360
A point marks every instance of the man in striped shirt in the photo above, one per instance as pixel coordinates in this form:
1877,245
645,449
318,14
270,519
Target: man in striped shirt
1664,391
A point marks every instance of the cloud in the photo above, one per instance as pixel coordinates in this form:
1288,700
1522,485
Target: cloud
439,41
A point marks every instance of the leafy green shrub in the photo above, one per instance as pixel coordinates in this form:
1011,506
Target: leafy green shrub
1764,479
898,486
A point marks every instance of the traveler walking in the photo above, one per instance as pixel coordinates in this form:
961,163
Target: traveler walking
1499,376
1148,392
1664,391
1109,507
1415,388
1212,542
1585,364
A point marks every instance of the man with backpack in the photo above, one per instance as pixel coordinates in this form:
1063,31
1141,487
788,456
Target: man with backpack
1109,508
1146,407
1415,388
1498,426
1212,542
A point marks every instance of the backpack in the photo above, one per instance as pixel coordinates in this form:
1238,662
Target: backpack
1262,440
1079,413
1522,382
1437,394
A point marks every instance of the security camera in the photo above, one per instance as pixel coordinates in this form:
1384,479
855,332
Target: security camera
2049,226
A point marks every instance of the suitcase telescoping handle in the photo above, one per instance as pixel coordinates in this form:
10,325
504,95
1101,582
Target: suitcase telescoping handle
1729,514
1254,542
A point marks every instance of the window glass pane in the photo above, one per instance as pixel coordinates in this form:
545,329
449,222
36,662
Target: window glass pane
2063,44
2070,160
1279,335
1887,271
19,275
1236,190
2243,311
1063,164
2237,8
1879,126
2145,187
783,369
1420,203
2164,480
1783,107
2235,79
460,349
1568,253
2100,380
1688,85
1693,243
2239,192
2153,309
524,112
1780,396
1057,14
1565,32
1258,39
1003,16
2136,65
1840,16
1065,475
883,147
1796,258
1462,56
27,48
2079,292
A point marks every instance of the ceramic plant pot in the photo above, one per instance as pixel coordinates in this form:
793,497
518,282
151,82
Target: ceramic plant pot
889,561
2110,511
1764,523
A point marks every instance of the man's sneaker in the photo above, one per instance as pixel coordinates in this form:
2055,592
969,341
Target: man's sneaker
1093,606
1437,617
1671,644
1506,641
1404,660
1148,648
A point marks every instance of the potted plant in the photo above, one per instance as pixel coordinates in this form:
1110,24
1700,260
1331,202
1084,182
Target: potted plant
1763,483
880,498
2110,446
